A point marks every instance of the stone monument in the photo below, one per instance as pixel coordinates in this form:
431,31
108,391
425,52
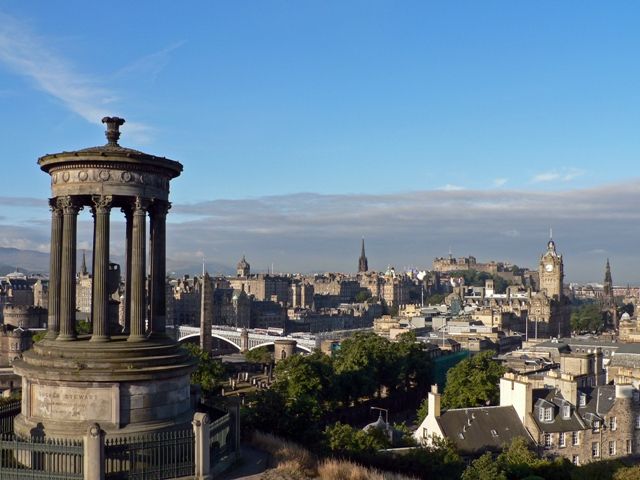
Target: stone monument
133,380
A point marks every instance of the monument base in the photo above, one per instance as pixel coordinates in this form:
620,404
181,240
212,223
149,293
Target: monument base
128,388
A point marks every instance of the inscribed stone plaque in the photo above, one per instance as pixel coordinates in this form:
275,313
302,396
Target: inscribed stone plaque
72,403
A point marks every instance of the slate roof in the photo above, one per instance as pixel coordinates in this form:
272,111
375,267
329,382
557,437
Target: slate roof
627,355
599,400
476,430
550,397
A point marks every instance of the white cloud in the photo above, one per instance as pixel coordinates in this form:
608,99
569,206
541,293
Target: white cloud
29,55
312,232
451,188
563,175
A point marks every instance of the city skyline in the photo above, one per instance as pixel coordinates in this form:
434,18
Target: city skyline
474,126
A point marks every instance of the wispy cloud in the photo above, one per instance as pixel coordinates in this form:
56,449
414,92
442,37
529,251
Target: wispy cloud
150,65
563,175
451,188
30,55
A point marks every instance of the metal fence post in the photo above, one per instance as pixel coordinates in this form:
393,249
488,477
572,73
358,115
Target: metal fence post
94,460
201,434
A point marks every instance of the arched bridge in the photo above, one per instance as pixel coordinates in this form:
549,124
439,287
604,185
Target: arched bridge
246,339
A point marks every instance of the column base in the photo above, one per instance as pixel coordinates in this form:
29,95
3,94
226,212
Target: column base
99,338
136,338
66,338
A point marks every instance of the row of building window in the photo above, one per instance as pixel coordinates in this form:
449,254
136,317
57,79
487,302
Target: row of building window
562,439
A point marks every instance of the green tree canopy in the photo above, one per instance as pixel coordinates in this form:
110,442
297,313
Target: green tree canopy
365,362
209,372
260,355
474,278
306,380
414,366
473,382
484,468
435,299
363,295
342,438
587,318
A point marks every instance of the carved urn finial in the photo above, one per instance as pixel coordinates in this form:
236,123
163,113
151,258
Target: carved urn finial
113,129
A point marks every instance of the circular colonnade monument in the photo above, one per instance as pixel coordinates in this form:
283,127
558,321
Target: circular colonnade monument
132,379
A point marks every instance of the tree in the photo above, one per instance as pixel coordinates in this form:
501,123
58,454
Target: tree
365,363
306,381
83,327
435,299
484,468
342,438
627,473
414,365
261,355
209,372
587,318
517,460
473,382
423,410
363,295
39,336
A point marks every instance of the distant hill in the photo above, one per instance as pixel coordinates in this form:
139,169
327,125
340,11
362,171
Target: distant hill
29,261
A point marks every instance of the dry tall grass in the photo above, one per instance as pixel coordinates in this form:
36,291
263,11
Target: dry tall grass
344,470
293,461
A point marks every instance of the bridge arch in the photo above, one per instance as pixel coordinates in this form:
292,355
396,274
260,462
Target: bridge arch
230,342
301,347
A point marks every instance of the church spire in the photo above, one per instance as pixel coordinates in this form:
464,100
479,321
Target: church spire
608,285
83,267
363,265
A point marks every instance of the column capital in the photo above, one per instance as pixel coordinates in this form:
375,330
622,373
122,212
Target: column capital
69,205
102,203
54,206
140,205
159,207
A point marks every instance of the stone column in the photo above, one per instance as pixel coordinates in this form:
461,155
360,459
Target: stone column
127,279
158,224
100,300
53,322
201,434
93,458
70,209
138,271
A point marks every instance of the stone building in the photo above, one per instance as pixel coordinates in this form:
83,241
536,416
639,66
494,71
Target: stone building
262,287
25,317
301,294
13,341
84,284
41,293
581,424
536,314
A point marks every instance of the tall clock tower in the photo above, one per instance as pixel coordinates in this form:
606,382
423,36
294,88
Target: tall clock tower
551,272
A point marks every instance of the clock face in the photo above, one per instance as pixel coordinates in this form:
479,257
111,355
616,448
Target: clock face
549,267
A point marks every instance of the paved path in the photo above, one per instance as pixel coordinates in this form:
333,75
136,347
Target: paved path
254,462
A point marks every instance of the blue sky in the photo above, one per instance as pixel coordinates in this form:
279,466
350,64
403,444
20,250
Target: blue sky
366,100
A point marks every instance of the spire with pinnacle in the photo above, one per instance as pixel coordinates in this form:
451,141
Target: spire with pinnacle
363,265
608,285
83,267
